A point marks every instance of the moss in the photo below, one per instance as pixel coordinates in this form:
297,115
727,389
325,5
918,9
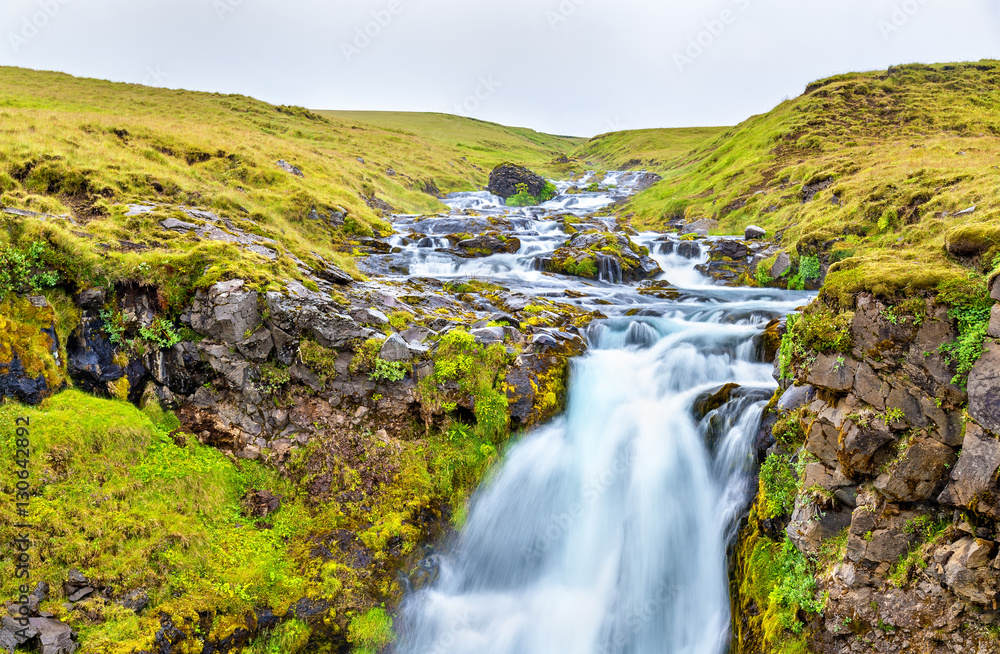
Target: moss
319,359
371,631
27,332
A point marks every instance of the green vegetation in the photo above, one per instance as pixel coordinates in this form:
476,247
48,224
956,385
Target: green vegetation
971,307
653,149
524,199
24,270
479,371
371,631
779,485
865,172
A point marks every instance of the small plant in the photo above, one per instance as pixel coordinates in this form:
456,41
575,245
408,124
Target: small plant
273,379
160,333
371,631
23,271
779,484
390,371
114,326
524,199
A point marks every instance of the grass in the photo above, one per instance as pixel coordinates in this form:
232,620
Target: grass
657,150
892,155
84,148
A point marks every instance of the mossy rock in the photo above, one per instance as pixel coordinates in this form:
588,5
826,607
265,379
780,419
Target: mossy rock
30,365
972,240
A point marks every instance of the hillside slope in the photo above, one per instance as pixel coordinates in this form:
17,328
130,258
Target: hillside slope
868,172
658,150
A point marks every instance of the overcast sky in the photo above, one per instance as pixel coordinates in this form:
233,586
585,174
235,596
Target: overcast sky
579,67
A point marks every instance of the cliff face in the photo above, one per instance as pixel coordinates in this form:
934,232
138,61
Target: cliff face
881,482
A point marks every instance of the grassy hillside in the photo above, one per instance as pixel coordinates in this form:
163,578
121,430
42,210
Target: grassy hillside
84,148
871,172
481,143
657,150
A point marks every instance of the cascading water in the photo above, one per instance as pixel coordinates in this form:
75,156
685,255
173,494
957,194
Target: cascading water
606,531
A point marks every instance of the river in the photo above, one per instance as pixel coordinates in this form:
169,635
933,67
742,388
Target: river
605,531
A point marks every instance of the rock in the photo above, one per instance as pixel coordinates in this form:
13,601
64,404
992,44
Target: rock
810,525
645,181
781,265
135,600
39,595
335,275
177,225
395,349
337,331
712,400
730,249
488,335
505,178
995,289
700,227
486,245
75,580
753,233
417,335
796,396
225,312
994,329
833,372
973,482
919,473
984,389
285,345
81,594
879,538
965,575
258,346
13,635
16,383
55,637
92,299
864,447
289,168
370,317
260,503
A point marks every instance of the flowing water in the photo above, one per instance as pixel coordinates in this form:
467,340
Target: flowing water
606,530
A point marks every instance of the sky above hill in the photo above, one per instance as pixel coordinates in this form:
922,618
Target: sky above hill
575,67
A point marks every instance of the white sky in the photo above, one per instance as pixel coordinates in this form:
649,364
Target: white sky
579,67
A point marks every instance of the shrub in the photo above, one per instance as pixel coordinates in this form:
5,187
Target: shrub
23,271
161,333
391,371
524,199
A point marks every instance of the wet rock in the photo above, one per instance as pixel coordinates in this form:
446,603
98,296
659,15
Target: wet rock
730,249
16,383
712,400
226,312
918,474
486,245
984,388
753,233
973,482
505,178
91,355
796,396
289,168
180,368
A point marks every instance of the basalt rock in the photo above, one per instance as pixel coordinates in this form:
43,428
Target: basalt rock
486,245
226,312
984,389
505,179
973,482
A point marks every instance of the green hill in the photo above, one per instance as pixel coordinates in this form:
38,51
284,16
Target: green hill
657,150
868,172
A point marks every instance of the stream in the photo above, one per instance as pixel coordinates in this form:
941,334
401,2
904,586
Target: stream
605,531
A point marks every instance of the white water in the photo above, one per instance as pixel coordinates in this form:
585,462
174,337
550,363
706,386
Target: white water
606,531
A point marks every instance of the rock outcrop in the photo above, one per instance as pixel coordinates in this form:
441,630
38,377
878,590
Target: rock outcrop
507,177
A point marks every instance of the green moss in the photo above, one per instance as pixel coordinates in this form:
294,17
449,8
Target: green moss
319,359
21,335
371,631
779,485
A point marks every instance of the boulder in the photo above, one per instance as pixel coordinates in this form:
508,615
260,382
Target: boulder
700,227
396,349
995,289
370,316
918,474
711,400
730,249
984,388
486,245
962,567
505,178
994,329
864,447
258,346
810,525
781,265
754,233
54,637
833,372
973,482
289,168
337,331
135,600
646,180
226,312
880,538
796,396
